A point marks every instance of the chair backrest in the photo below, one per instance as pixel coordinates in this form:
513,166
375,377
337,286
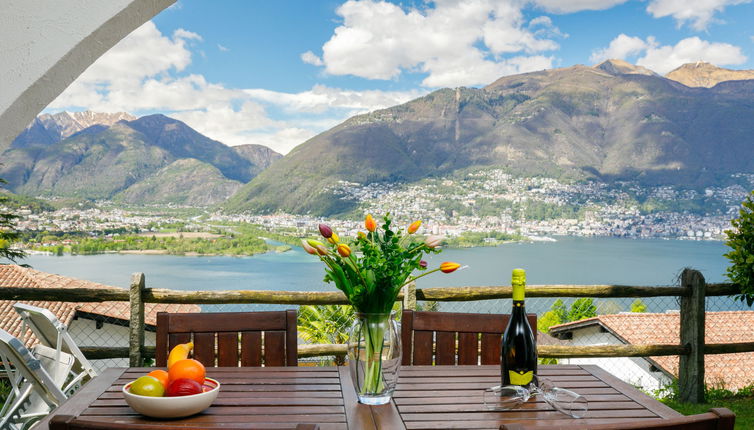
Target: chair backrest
54,334
715,419
68,422
449,338
266,338
33,391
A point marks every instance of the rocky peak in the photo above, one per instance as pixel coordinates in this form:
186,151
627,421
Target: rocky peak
65,124
620,67
701,74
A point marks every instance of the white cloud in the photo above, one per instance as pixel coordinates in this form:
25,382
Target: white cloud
142,73
570,6
455,43
223,48
621,47
699,13
309,57
663,59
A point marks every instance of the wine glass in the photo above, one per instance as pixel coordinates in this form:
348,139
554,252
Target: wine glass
563,400
502,398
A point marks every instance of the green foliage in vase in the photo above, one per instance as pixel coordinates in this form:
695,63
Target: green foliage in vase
383,263
741,256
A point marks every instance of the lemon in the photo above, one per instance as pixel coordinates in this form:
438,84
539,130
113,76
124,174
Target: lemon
147,386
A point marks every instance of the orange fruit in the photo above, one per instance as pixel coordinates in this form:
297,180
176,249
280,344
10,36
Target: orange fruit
161,376
189,369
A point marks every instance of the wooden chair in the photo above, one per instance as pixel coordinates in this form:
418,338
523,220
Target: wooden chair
217,335
68,422
420,330
715,419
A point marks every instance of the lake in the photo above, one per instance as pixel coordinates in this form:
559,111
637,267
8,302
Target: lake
570,260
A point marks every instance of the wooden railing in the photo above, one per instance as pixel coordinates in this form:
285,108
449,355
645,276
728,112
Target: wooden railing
692,290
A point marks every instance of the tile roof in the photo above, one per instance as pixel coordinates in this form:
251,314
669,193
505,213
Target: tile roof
731,371
22,277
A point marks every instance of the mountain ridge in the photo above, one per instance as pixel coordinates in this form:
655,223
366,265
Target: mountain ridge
608,122
110,157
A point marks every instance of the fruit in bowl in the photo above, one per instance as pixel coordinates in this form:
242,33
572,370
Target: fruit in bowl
173,407
180,391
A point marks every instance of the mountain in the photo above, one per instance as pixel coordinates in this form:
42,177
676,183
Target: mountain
707,75
610,122
620,67
152,159
50,128
258,155
187,181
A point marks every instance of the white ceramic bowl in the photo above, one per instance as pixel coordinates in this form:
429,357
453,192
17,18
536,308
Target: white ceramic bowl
173,407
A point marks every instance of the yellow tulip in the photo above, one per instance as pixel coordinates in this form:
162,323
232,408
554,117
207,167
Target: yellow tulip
333,238
414,226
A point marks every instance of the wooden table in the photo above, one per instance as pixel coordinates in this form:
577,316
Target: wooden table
426,398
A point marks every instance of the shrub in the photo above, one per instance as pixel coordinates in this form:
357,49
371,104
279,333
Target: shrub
741,242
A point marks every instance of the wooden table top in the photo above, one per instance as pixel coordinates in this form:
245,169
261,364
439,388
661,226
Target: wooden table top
427,397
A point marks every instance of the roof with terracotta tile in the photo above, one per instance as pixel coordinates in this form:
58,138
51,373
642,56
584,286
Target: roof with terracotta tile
730,371
22,277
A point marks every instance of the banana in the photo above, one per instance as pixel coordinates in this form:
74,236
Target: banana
179,352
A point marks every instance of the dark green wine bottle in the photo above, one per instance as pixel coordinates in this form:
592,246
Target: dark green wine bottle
518,352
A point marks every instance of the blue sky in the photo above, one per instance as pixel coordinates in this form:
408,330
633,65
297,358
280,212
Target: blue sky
279,72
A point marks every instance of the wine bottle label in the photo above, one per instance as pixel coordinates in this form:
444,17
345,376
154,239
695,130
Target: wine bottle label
520,378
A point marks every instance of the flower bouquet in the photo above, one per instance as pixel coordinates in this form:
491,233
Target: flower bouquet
371,278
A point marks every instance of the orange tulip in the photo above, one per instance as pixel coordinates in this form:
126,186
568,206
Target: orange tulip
361,235
344,250
414,226
370,223
449,267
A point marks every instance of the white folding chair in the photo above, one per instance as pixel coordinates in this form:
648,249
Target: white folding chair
33,392
54,334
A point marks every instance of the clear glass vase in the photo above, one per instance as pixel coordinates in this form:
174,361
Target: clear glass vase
374,357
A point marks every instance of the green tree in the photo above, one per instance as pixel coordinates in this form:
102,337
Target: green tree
326,324
547,320
638,306
582,308
557,314
8,233
741,256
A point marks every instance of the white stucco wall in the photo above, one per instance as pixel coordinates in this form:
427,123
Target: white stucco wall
633,370
45,45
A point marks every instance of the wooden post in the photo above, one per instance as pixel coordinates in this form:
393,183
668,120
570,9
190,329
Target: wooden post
691,368
409,296
136,325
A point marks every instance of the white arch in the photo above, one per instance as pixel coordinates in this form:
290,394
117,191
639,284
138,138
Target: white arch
45,45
